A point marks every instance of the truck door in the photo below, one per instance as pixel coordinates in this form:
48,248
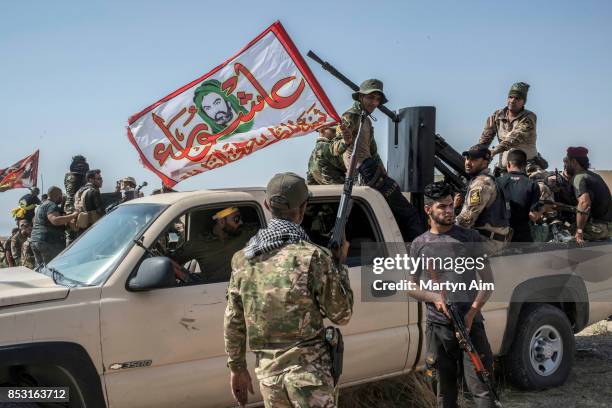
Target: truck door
165,347
376,339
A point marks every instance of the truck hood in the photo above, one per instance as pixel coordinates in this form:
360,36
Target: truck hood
20,285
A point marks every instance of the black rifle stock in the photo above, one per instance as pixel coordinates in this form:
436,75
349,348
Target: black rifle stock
344,208
465,342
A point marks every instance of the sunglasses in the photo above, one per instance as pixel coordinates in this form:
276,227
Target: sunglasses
237,218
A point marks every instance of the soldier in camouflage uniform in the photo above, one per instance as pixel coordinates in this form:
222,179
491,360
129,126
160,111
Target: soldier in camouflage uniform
372,171
282,286
323,166
484,208
27,256
515,128
17,240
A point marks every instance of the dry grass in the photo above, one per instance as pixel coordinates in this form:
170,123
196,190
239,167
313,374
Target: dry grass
601,329
411,390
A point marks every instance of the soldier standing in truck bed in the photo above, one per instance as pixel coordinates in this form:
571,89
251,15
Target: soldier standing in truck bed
371,168
485,208
515,128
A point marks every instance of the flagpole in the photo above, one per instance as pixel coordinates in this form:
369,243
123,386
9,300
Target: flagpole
42,183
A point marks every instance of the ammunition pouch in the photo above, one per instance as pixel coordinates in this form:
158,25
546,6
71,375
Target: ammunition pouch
85,219
335,344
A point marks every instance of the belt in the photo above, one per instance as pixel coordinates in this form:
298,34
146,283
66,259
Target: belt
493,235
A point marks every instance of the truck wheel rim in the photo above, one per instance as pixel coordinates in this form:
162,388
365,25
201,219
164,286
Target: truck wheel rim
546,350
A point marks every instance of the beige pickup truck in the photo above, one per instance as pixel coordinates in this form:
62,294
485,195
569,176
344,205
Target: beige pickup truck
121,333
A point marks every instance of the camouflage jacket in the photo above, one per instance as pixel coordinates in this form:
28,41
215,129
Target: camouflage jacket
323,166
17,241
72,183
367,145
279,299
482,193
27,256
518,133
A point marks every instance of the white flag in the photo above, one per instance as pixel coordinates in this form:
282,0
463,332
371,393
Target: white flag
264,94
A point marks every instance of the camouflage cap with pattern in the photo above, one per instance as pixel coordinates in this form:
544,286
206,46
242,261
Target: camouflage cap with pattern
519,89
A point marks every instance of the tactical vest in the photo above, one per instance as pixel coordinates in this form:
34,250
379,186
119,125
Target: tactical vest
85,218
497,214
79,198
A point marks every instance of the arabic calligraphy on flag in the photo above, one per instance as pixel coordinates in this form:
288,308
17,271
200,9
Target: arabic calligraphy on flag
264,94
22,174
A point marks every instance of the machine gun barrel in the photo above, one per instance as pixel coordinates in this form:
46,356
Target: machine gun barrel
332,70
450,156
449,176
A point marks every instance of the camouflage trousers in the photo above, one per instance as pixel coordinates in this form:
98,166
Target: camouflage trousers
597,230
302,387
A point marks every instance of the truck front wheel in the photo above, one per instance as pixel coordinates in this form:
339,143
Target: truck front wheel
542,353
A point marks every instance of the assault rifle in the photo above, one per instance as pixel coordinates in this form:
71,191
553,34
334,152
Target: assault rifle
562,206
344,208
466,344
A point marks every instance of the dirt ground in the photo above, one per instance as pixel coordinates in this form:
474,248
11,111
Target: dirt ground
589,384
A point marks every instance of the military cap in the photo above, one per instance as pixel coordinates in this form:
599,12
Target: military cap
368,86
130,180
286,191
519,89
478,151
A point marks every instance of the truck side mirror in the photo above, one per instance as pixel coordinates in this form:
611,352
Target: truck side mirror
153,273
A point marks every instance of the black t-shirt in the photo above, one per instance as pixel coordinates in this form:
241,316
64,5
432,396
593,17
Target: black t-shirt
456,243
523,195
596,187
43,230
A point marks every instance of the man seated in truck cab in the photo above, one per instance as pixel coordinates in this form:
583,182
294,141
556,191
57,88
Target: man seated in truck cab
212,247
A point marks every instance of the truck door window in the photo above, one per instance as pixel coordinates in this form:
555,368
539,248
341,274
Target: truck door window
202,244
361,227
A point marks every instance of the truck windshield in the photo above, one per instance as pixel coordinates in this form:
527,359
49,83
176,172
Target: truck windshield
98,251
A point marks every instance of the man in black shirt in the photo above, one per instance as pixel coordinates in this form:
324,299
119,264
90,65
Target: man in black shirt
47,238
445,239
594,209
523,195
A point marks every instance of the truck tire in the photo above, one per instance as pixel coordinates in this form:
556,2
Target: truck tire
542,353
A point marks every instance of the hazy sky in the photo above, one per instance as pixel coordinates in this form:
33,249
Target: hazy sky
72,72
